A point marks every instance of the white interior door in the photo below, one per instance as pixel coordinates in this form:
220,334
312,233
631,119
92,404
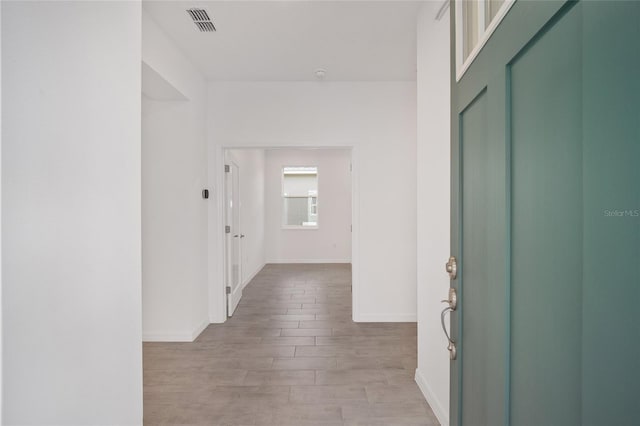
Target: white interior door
233,237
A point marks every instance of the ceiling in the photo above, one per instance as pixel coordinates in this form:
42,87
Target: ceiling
289,40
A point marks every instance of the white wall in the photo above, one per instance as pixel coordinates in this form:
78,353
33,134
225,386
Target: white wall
71,213
174,214
433,158
331,241
251,163
1,364
379,121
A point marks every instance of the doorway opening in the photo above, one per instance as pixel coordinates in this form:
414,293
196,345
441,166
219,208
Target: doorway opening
284,206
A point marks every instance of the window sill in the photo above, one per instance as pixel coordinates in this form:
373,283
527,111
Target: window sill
299,227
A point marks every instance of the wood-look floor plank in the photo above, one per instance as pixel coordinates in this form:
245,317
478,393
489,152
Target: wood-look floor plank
304,364
289,356
306,332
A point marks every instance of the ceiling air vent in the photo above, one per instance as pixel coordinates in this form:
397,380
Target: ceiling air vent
201,19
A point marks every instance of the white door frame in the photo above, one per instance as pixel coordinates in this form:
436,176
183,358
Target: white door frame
216,236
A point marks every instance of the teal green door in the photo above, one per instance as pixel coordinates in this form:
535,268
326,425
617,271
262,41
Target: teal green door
546,219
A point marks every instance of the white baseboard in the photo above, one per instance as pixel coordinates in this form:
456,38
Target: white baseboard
434,402
166,337
220,320
199,329
175,337
386,318
309,261
252,276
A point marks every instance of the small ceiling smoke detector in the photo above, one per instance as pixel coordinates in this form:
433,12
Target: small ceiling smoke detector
201,19
320,73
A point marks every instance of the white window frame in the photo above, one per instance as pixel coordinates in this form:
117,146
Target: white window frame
316,195
462,65
313,205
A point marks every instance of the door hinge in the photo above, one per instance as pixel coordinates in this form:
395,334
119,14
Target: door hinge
227,168
227,229
351,228
350,167
228,290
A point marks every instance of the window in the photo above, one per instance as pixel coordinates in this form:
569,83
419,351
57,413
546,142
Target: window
300,197
476,20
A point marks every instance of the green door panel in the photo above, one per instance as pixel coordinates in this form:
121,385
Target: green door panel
482,285
546,219
611,267
546,227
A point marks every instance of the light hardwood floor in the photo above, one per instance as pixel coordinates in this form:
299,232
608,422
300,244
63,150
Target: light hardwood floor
289,356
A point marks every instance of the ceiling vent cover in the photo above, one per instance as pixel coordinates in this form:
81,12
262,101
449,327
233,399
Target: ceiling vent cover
201,19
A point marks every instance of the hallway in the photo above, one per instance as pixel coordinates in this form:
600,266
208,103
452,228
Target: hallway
290,355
